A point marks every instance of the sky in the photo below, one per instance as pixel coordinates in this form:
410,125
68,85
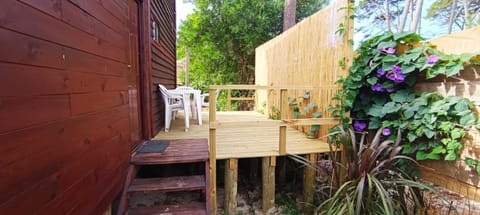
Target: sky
182,10
429,29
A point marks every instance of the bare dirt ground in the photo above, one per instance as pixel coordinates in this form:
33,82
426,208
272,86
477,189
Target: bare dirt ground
289,202
443,202
446,202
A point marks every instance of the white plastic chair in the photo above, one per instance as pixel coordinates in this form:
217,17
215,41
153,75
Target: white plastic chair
204,98
173,103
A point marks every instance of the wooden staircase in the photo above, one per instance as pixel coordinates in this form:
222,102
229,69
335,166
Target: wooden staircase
185,151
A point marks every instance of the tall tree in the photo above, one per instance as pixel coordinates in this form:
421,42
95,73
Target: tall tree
289,14
417,16
392,15
456,14
222,35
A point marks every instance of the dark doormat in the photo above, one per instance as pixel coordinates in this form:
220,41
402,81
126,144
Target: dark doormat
153,146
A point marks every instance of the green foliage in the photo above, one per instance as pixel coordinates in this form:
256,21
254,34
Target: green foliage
373,183
274,113
309,110
379,94
475,164
221,37
288,203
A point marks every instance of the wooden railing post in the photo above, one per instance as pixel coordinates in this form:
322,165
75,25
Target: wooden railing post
213,150
283,104
229,100
282,142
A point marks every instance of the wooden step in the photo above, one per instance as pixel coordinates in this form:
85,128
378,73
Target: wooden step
178,151
168,184
193,208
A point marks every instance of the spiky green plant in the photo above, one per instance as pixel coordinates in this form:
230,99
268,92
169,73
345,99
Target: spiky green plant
372,182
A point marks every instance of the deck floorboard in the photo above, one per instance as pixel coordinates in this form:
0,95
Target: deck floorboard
245,142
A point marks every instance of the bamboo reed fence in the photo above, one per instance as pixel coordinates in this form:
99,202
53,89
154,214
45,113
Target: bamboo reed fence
308,54
456,175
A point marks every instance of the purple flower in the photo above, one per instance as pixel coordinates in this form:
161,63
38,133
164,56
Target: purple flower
396,74
377,87
432,59
388,50
386,132
380,72
359,125
396,69
390,90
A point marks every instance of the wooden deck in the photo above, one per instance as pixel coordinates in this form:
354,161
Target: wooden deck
244,135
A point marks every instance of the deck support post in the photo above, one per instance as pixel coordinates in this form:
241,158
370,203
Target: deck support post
268,183
231,177
309,184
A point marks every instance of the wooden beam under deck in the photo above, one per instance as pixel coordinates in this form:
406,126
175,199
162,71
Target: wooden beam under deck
257,136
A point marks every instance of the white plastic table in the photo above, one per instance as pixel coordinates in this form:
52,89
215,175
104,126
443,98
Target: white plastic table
196,101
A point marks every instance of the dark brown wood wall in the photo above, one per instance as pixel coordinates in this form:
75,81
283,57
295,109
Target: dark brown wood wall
65,117
163,56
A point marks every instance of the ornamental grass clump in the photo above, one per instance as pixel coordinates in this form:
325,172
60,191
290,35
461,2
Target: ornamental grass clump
373,183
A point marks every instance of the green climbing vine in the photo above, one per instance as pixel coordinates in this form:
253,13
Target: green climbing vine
303,107
379,94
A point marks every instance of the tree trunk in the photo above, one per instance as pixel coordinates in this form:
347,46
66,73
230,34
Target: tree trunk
452,16
403,17
466,3
387,15
289,14
417,16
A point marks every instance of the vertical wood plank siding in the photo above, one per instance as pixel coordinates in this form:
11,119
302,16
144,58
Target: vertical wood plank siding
163,56
65,125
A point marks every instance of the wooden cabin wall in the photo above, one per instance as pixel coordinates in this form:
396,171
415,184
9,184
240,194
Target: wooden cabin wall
163,54
65,135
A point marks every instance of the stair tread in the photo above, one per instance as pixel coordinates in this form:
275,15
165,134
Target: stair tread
179,151
168,184
193,208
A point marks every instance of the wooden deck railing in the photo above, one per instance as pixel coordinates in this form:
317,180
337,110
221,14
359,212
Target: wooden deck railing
281,124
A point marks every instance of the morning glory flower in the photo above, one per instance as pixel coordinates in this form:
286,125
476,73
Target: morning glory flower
396,68
386,132
377,87
359,125
388,50
380,72
390,90
396,74
432,59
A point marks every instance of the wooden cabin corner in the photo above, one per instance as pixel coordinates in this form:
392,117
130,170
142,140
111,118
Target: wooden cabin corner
78,93
81,115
